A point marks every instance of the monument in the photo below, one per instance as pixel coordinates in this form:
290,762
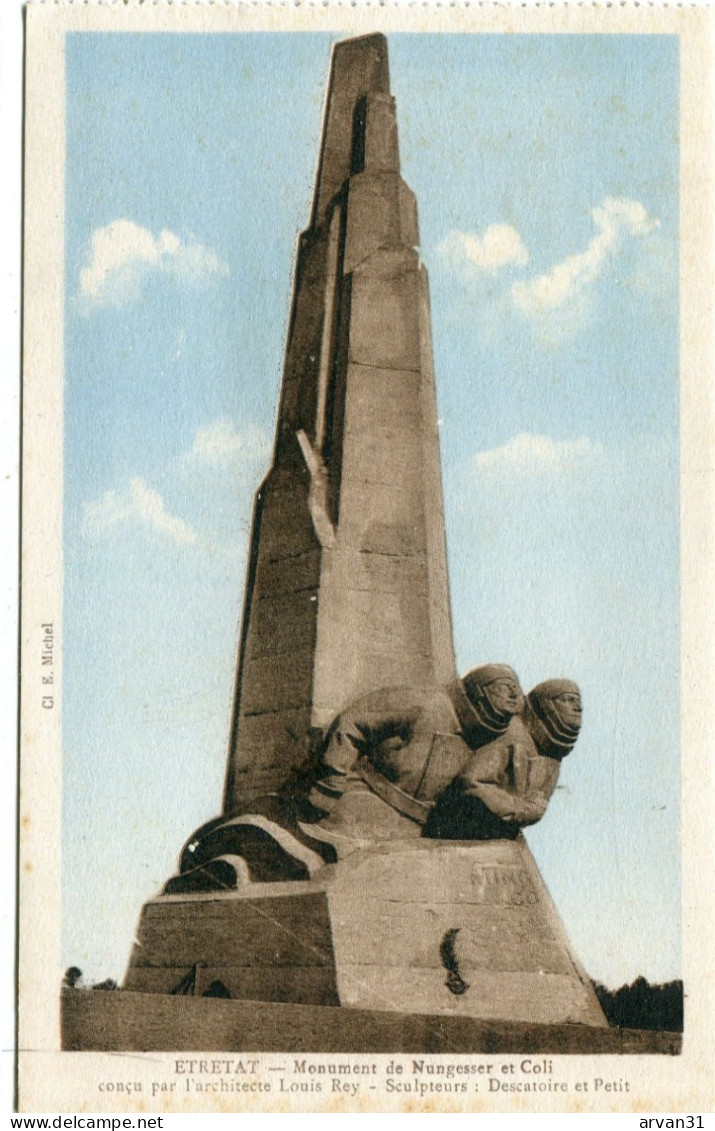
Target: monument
347,584
369,859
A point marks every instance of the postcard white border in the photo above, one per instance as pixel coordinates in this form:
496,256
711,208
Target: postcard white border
56,1081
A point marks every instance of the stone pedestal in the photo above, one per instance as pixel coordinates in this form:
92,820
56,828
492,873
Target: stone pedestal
347,595
125,1022
421,927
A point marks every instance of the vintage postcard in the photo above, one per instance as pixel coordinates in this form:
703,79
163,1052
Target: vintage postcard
366,599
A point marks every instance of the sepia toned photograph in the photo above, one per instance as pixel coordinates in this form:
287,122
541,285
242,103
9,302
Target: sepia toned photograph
356,695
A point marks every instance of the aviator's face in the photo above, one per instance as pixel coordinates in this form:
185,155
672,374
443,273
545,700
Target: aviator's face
505,696
568,707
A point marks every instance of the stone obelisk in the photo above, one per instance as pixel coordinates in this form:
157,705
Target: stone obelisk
347,586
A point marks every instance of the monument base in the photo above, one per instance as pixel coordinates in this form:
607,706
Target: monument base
99,1021
421,927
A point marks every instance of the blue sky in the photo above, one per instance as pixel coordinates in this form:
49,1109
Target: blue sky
546,174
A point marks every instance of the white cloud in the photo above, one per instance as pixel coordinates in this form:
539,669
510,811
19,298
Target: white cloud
527,455
140,503
566,281
216,476
124,255
220,443
467,253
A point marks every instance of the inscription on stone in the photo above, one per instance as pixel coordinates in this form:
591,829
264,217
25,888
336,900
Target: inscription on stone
510,887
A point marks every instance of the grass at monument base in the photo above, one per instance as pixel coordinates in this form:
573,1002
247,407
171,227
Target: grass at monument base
123,1021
